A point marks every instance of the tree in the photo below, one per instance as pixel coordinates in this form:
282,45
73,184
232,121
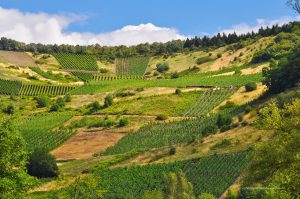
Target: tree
60,102
178,187
108,101
285,74
14,181
294,4
224,120
123,122
275,164
42,164
162,67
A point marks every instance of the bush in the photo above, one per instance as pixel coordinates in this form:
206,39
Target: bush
248,109
60,102
178,91
108,101
162,67
174,75
237,72
225,128
245,123
42,164
251,86
123,122
43,101
103,70
219,55
203,60
210,130
161,117
54,107
68,98
95,106
172,151
224,120
10,109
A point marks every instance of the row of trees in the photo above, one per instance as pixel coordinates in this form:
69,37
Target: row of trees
110,53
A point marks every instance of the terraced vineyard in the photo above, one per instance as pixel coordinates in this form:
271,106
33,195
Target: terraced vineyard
209,100
38,131
133,66
160,135
188,80
101,77
210,174
8,87
83,75
36,89
76,62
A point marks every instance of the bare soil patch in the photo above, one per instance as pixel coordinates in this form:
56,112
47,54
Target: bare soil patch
86,143
16,58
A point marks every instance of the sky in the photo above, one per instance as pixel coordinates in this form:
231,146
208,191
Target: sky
130,22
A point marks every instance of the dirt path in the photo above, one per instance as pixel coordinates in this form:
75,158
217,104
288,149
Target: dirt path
86,143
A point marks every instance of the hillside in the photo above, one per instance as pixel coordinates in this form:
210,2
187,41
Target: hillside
118,127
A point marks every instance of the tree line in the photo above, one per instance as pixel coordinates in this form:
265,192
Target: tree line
109,53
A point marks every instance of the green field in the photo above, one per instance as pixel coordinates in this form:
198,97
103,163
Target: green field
210,174
76,61
188,80
38,130
171,104
133,66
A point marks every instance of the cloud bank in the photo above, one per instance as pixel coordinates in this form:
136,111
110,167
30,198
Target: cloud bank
52,29
245,28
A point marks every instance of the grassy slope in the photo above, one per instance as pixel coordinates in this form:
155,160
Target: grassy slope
171,104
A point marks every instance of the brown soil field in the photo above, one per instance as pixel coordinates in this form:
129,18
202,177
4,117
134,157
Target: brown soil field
16,58
86,143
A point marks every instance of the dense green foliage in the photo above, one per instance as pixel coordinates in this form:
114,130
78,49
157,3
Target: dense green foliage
41,164
275,163
209,100
211,174
251,86
84,76
14,181
38,131
162,67
43,101
76,61
8,87
285,74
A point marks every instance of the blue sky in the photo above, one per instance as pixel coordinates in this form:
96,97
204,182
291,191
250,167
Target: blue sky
188,17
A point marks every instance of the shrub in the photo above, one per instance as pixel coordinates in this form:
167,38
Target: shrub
251,86
103,70
10,109
42,164
224,120
123,122
237,72
210,130
245,123
108,101
174,75
162,67
219,55
203,60
155,73
177,91
172,151
60,102
248,109
95,106
161,117
54,107
43,101
68,98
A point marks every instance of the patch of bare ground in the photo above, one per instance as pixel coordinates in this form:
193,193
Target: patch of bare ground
86,143
16,58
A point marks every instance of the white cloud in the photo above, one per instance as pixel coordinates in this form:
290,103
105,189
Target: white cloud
52,29
245,28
